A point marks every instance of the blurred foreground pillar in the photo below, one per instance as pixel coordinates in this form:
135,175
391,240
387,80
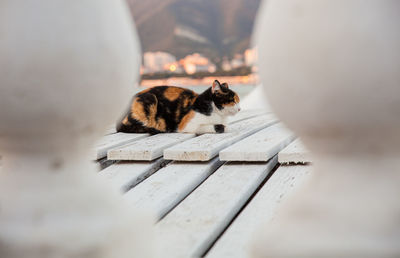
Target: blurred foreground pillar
66,68
331,70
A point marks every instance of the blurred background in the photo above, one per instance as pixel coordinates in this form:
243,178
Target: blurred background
192,42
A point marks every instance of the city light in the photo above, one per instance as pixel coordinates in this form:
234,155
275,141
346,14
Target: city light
172,68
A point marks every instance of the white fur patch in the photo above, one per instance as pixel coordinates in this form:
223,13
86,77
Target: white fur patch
205,124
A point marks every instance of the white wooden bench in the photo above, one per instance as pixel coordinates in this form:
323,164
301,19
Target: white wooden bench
207,192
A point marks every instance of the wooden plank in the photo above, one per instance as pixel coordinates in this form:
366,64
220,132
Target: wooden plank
165,189
236,240
190,229
114,140
260,146
125,175
152,147
148,148
246,114
295,153
207,146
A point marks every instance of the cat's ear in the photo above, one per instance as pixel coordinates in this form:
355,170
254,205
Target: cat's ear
225,85
216,86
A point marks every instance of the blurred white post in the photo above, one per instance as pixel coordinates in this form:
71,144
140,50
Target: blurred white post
331,70
66,69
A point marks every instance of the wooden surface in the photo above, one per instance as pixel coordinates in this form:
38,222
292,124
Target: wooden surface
148,148
235,242
125,175
204,214
208,207
260,146
114,140
166,188
295,153
152,147
207,146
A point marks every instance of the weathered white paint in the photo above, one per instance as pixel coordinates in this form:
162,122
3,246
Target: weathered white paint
148,148
190,229
294,153
236,241
125,175
152,147
165,189
260,146
66,70
207,146
114,140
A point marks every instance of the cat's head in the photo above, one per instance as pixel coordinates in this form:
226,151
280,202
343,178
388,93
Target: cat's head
225,99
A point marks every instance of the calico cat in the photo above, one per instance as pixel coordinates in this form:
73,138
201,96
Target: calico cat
173,109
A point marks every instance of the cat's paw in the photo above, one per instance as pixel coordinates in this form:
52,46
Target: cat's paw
219,128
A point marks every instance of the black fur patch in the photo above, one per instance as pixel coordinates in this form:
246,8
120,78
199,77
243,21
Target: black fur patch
203,103
219,128
223,97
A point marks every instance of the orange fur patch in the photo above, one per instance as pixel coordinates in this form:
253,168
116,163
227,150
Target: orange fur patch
185,120
236,98
137,111
126,121
186,102
229,104
172,93
158,124
161,125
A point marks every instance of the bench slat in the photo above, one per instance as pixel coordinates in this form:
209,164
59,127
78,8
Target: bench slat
207,146
190,229
235,242
152,147
165,189
295,153
114,140
148,148
125,175
260,146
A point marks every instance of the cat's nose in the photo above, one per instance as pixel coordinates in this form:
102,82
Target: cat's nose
238,109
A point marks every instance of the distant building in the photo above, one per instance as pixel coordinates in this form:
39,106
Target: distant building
250,56
197,63
156,61
237,61
226,65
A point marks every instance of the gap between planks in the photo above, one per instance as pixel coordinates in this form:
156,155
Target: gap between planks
236,240
165,189
125,175
190,228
